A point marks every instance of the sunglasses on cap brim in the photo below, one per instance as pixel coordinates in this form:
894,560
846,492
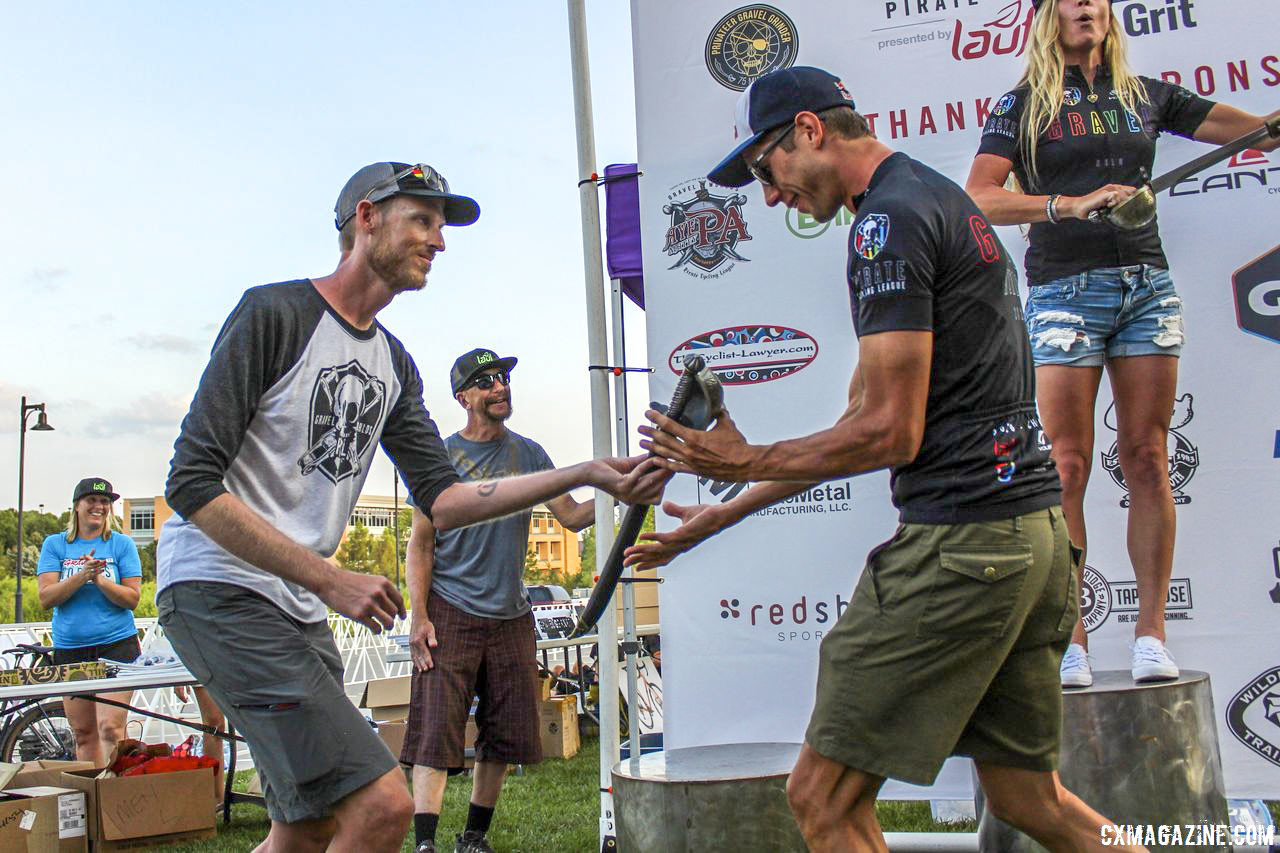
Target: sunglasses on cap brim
485,381
429,177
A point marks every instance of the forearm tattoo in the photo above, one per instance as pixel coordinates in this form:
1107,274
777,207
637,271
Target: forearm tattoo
484,490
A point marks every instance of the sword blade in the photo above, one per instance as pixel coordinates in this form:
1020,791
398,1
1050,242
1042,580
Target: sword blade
1217,155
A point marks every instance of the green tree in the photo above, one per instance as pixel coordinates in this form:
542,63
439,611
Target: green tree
587,577
359,551
147,557
35,527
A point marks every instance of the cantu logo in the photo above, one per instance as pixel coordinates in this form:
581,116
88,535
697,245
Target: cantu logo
748,43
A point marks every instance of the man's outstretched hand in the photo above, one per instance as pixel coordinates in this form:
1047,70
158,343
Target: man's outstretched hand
697,522
634,479
721,452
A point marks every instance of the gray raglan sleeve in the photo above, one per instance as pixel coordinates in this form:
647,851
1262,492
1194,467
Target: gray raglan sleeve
412,439
249,355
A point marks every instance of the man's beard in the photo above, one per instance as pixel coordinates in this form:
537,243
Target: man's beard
395,268
488,411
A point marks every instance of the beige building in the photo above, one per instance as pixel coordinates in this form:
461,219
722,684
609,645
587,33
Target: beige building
143,518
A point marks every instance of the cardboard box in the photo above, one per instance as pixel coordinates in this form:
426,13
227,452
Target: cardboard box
545,683
646,599
387,698
133,811
43,818
558,727
37,774
53,673
392,733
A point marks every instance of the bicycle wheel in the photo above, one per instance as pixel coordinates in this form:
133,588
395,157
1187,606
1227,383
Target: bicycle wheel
39,732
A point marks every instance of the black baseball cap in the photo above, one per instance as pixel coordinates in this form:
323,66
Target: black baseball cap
471,363
770,102
93,486
379,181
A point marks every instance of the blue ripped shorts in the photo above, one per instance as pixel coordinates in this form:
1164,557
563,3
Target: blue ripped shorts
1113,312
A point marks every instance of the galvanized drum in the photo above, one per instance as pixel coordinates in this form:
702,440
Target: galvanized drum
724,797
1139,753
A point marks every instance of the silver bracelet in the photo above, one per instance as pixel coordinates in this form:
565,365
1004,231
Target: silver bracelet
1051,209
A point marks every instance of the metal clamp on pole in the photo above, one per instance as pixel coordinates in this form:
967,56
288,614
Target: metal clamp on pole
608,179
618,370
640,580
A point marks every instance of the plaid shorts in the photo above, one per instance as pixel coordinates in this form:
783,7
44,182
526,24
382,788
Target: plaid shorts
495,659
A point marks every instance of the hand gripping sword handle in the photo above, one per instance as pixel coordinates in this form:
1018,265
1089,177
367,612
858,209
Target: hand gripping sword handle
633,520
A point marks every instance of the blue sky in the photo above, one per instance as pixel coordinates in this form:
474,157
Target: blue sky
159,159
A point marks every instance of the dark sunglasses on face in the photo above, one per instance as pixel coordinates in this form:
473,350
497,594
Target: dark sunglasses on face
485,380
757,168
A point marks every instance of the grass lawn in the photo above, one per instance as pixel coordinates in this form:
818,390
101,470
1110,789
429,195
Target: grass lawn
551,807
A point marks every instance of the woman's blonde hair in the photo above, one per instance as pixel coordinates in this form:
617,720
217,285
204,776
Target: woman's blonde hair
73,524
1046,69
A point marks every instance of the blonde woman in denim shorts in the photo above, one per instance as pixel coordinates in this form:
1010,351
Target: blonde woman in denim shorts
1078,134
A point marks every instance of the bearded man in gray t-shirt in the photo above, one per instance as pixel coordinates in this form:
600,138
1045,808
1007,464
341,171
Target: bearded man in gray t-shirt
472,631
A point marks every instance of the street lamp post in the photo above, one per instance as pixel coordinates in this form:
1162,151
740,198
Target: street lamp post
41,425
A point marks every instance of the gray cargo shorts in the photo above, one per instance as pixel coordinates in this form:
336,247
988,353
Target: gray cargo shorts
279,681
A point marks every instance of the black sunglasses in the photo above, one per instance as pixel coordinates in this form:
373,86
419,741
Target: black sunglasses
757,168
485,380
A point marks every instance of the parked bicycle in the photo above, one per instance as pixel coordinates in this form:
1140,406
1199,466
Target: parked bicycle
33,729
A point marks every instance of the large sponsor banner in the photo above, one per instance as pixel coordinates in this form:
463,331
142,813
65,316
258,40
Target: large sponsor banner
761,292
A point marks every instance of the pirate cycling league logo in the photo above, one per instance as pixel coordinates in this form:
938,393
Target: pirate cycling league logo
871,235
1253,715
705,229
346,408
748,43
1184,457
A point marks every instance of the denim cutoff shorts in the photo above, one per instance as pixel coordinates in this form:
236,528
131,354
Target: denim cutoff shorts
1111,312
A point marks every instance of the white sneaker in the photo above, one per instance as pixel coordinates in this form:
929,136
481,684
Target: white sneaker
1152,661
1076,671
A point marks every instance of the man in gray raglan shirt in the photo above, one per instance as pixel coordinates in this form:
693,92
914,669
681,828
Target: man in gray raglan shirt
302,385
472,632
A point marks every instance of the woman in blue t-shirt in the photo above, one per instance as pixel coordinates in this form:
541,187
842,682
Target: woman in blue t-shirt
1078,134
92,579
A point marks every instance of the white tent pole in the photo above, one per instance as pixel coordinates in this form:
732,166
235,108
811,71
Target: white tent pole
607,658
622,442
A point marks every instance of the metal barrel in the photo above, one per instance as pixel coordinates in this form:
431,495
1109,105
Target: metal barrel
1141,754
723,797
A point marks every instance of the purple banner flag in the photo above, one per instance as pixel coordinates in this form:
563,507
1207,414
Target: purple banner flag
622,228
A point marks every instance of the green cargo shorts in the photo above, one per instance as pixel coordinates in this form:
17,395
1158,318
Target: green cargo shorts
951,646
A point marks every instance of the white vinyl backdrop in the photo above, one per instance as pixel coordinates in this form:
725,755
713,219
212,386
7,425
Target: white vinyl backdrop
743,614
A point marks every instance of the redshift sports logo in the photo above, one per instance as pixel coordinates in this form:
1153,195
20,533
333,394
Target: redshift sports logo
805,619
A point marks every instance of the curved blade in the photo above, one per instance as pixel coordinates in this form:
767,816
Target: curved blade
602,594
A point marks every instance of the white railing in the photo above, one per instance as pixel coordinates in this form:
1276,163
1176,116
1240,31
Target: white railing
364,658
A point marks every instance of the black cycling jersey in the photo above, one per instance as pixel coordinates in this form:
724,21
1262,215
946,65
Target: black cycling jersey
1093,142
922,257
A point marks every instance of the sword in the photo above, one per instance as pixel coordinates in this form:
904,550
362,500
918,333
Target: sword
1140,208
696,402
